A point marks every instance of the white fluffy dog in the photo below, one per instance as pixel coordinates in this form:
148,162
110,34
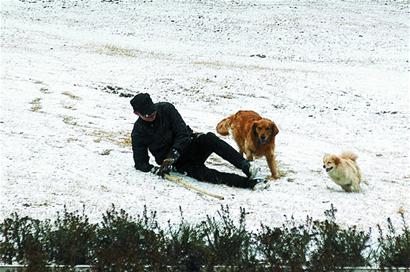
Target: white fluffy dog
343,170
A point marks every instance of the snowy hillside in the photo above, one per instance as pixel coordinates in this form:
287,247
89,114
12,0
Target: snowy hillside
334,76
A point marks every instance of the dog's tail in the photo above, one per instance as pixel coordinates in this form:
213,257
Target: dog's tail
223,126
349,155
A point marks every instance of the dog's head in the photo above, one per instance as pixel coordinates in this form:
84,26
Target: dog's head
330,162
264,130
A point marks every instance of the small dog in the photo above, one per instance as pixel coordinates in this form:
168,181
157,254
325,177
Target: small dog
343,170
254,135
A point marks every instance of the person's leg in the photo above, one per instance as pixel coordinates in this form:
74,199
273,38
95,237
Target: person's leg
210,143
203,173
206,144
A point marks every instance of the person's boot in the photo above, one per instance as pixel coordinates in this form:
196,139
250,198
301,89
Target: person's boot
250,169
260,184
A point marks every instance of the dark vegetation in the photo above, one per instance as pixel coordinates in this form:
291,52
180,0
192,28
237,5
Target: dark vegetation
121,242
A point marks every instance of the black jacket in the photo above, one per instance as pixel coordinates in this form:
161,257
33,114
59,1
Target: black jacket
167,131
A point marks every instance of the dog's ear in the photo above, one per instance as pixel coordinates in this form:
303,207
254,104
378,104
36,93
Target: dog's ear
336,159
254,125
275,129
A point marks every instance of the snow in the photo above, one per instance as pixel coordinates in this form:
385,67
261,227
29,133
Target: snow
335,77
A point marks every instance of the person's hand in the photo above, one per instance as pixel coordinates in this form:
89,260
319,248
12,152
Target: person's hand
167,164
166,167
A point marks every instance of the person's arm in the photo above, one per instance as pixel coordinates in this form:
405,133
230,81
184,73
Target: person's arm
140,153
181,138
182,133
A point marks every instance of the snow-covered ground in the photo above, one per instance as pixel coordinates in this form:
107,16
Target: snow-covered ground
334,76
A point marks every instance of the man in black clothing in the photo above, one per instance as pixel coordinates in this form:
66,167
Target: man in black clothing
161,130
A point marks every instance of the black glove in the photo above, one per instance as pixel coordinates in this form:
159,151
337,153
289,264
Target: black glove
168,162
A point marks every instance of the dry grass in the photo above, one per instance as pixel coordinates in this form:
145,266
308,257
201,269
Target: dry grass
45,90
219,65
71,140
69,107
113,50
285,172
71,95
262,67
120,138
105,152
226,96
69,120
118,51
36,105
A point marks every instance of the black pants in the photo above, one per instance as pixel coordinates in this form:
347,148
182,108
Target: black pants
192,161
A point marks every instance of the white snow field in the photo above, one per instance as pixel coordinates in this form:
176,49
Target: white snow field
334,76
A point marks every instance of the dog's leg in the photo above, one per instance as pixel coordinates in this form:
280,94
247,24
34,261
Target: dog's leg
347,188
241,150
247,150
356,186
270,158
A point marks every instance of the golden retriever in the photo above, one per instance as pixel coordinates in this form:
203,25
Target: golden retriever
343,170
254,135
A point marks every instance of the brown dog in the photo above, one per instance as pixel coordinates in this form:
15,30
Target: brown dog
254,135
